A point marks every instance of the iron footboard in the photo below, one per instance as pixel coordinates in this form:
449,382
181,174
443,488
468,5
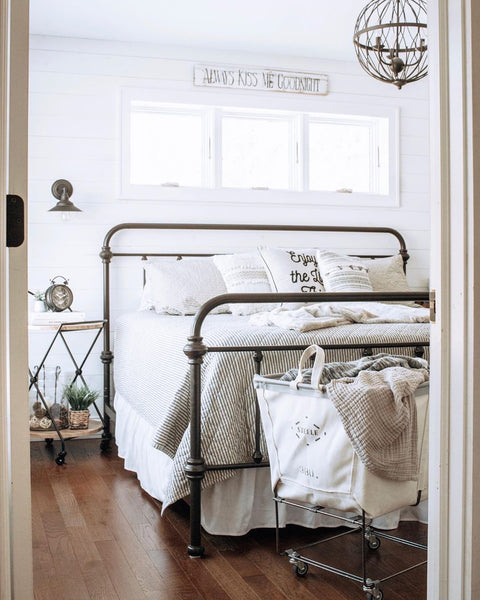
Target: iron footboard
195,350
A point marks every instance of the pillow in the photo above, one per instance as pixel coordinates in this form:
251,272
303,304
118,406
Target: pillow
180,287
343,273
386,274
292,270
244,273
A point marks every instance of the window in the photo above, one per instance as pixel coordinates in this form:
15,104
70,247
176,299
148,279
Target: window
321,156
166,146
256,152
348,154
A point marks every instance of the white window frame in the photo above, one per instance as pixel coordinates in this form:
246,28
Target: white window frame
214,104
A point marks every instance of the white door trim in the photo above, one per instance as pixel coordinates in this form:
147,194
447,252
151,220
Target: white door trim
15,462
454,533
5,563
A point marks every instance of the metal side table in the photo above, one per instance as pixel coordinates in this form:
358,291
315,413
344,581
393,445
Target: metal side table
95,425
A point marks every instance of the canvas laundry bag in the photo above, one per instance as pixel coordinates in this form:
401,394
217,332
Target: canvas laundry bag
312,460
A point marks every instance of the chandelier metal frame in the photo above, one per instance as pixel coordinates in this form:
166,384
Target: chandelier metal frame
390,40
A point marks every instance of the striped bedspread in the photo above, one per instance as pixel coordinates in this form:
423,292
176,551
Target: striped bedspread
152,373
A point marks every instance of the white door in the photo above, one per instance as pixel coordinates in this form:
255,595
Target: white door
454,485
15,509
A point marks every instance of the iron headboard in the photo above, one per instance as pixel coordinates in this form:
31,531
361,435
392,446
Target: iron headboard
107,254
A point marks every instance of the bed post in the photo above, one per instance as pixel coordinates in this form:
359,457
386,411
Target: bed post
106,355
195,467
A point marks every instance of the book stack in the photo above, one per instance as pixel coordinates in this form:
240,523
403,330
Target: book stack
55,318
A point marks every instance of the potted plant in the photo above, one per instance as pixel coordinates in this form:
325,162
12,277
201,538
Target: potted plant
79,399
39,304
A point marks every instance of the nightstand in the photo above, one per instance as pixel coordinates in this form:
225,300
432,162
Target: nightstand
63,331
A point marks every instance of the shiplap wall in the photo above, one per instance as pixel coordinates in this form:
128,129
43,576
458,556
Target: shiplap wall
75,93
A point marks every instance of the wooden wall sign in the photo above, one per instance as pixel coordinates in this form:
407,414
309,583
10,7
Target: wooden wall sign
269,80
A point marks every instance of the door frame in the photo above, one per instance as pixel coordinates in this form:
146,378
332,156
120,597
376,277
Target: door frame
454,529
16,571
5,564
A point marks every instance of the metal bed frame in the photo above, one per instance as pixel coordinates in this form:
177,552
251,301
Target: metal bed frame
195,349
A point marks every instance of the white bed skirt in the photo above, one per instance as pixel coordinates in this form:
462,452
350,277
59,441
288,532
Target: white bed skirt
231,507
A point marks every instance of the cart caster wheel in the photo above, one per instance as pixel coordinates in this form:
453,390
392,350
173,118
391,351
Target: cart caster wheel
378,596
48,442
374,543
60,460
300,569
104,445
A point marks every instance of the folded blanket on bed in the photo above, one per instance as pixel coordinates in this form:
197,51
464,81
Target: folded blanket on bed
378,413
324,314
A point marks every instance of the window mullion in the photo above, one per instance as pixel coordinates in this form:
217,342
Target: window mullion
305,172
217,148
375,159
209,149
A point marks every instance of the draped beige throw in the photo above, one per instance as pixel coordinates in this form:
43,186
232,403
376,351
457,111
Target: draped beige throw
378,413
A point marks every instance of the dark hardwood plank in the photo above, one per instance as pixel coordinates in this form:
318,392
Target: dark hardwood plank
119,571
97,535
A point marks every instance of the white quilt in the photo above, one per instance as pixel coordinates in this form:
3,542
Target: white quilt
321,315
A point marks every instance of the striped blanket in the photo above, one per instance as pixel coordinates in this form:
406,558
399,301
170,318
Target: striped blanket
152,373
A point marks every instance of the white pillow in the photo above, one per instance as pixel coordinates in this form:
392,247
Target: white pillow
343,273
244,273
180,287
387,274
292,270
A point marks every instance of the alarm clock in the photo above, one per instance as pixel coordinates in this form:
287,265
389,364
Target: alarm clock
58,296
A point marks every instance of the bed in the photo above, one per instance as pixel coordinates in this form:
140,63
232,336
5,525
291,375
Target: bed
186,418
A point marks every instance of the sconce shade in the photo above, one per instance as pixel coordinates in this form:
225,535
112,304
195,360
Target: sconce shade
62,190
390,40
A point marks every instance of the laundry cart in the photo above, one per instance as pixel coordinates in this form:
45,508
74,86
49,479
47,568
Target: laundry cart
317,466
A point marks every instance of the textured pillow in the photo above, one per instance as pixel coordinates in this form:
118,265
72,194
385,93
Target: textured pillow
180,287
343,273
386,274
244,273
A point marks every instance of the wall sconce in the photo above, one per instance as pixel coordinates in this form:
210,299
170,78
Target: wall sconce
62,190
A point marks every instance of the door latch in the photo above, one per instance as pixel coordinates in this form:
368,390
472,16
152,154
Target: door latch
432,304
15,221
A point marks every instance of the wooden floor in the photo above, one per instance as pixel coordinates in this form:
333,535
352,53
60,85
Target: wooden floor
96,535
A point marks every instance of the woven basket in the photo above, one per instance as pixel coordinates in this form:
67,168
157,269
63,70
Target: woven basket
78,419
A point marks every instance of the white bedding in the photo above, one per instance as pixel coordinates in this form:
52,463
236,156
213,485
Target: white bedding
151,379
231,507
323,314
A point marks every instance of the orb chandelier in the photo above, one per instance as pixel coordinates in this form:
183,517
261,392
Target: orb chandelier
390,40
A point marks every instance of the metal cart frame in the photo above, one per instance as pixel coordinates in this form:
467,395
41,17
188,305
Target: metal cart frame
60,331
370,541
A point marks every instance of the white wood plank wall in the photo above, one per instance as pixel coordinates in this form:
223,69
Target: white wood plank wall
75,89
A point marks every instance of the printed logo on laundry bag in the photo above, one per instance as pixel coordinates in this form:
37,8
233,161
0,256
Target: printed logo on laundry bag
308,431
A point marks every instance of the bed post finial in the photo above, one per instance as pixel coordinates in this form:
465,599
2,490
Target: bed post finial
405,256
106,254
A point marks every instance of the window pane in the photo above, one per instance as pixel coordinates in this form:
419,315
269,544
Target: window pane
255,152
339,157
165,148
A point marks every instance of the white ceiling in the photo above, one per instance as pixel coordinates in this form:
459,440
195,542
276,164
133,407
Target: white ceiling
310,28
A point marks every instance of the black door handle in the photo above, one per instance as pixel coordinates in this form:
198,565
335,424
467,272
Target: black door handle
15,221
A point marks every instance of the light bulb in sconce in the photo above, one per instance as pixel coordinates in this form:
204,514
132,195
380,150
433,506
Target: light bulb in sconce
62,191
